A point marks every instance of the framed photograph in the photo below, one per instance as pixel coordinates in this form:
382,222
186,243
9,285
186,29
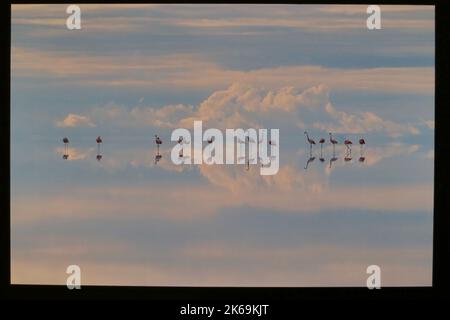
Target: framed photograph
216,150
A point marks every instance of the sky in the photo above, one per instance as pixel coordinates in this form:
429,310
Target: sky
134,71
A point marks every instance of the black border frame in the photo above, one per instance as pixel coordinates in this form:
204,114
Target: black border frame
441,239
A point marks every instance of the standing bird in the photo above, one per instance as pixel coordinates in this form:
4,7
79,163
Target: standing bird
66,148
158,142
333,141
210,140
348,143
310,141
362,142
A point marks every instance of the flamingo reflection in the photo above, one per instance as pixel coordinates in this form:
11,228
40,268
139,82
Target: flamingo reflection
157,158
333,159
348,156
311,159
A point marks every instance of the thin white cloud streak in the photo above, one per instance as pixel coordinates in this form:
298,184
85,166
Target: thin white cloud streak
195,72
308,265
74,120
112,18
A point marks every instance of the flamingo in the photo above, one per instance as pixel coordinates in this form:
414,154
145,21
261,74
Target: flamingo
348,143
180,140
210,140
321,141
66,148
362,142
310,141
333,141
158,142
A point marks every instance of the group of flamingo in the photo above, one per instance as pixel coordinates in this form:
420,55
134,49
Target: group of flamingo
347,142
99,141
180,140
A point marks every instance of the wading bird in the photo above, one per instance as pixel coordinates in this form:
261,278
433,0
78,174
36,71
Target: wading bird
362,142
333,141
348,143
310,141
66,148
158,142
